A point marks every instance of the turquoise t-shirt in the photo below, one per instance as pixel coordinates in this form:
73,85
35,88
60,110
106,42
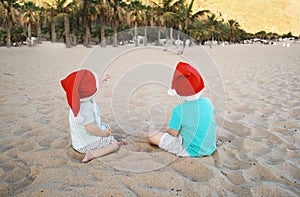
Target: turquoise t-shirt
196,122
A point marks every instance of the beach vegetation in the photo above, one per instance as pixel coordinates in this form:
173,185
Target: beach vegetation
18,35
135,16
9,14
30,18
233,27
90,22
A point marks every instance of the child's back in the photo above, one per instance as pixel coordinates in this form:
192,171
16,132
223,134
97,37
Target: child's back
196,121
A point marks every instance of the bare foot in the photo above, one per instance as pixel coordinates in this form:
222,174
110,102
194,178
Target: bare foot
88,157
102,151
122,143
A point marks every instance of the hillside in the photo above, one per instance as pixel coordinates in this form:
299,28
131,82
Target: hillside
280,16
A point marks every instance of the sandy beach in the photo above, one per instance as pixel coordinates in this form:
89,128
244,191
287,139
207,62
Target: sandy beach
258,116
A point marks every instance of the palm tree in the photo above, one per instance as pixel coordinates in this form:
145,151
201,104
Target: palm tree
116,14
89,11
222,32
74,15
146,16
103,8
56,9
166,15
170,19
136,16
29,17
158,12
39,11
261,34
65,8
51,12
31,12
199,31
212,22
186,17
233,26
9,17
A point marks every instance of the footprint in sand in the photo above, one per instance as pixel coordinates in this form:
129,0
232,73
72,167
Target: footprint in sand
46,142
16,179
190,168
276,156
27,147
23,130
270,189
226,158
237,128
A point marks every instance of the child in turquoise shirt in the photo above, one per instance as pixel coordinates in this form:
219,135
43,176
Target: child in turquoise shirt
192,128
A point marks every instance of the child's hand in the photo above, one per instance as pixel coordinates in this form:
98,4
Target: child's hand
105,77
108,131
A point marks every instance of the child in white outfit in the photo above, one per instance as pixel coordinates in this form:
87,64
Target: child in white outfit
88,134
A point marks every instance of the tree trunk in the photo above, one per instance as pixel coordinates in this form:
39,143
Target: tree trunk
152,20
171,33
8,39
145,35
74,38
38,29
167,37
212,40
136,34
184,37
115,39
158,36
67,31
102,36
29,34
53,33
178,35
102,32
87,38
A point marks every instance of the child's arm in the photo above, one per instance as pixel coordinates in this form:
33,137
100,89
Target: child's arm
95,130
173,132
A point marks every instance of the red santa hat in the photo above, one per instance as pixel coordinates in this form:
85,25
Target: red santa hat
79,85
187,82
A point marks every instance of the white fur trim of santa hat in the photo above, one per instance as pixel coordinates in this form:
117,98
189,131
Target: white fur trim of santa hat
172,92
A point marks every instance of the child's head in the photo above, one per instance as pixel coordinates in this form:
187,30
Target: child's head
79,86
187,83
